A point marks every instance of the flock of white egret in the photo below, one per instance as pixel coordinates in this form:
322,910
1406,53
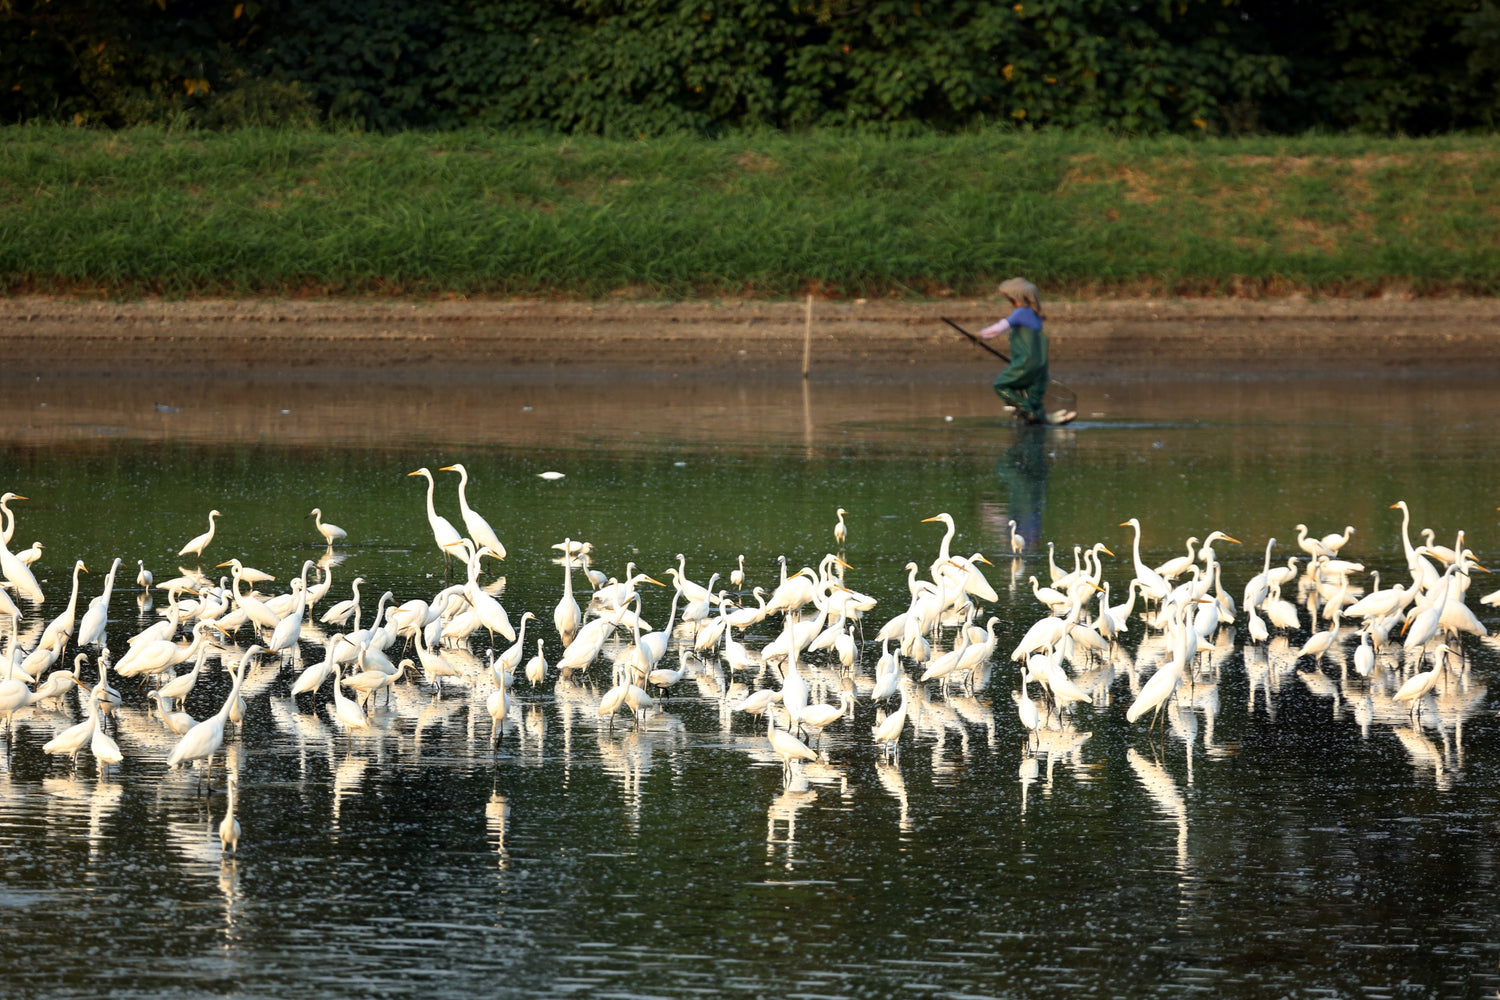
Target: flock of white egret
793,651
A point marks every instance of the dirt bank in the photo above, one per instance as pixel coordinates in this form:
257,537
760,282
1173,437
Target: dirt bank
393,341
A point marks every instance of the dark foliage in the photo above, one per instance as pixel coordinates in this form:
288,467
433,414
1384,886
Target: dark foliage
649,67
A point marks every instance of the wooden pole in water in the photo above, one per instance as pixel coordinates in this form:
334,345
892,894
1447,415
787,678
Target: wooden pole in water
807,340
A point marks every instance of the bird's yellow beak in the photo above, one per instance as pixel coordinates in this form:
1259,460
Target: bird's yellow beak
657,582
988,563
926,519
446,468
1234,540
1109,553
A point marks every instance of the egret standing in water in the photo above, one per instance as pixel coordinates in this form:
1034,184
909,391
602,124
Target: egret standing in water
786,746
229,826
566,616
443,531
204,740
197,545
331,532
479,529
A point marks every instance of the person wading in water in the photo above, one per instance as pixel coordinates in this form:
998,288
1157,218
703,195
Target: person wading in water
1024,381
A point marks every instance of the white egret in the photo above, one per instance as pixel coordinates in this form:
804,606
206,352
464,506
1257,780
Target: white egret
105,750
344,711
435,666
178,688
313,676
14,693
887,674
509,660
737,576
692,591
586,645
331,532
887,733
612,699
95,619
204,740
20,576
566,616
665,677
822,715
443,531
367,683
1026,710
197,545
29,556
143,579
744,617
1153,587
1418,685
8,520
176,722
287,632
60,629
490,612
229,826
1336,540
758,701
478,528
947,542
536,667
72,740
786,746
841,530
341,612
249,574
158,655
58,683
498,707
794,690
1155,692
1364,655
1178,565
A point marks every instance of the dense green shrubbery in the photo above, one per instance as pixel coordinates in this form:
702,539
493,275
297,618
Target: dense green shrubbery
632,67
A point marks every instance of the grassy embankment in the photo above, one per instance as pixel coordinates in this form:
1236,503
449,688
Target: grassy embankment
269,212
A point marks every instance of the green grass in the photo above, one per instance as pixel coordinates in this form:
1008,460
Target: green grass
479,214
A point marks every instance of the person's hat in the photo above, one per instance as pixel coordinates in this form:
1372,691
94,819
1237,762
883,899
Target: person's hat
1021,291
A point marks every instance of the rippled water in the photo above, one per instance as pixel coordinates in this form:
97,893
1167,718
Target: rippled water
1291,832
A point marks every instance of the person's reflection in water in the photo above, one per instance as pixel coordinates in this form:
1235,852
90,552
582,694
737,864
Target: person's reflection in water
1023,469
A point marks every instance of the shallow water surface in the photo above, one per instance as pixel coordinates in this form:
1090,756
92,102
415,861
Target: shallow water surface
1288,830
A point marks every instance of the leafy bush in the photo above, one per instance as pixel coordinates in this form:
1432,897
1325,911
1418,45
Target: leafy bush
651,67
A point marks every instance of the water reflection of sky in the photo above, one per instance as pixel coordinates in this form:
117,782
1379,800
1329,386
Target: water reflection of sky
1287,826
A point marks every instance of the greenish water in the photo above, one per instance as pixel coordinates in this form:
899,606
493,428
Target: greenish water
1293,832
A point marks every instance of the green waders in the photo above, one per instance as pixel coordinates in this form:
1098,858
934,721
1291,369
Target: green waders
1024,381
